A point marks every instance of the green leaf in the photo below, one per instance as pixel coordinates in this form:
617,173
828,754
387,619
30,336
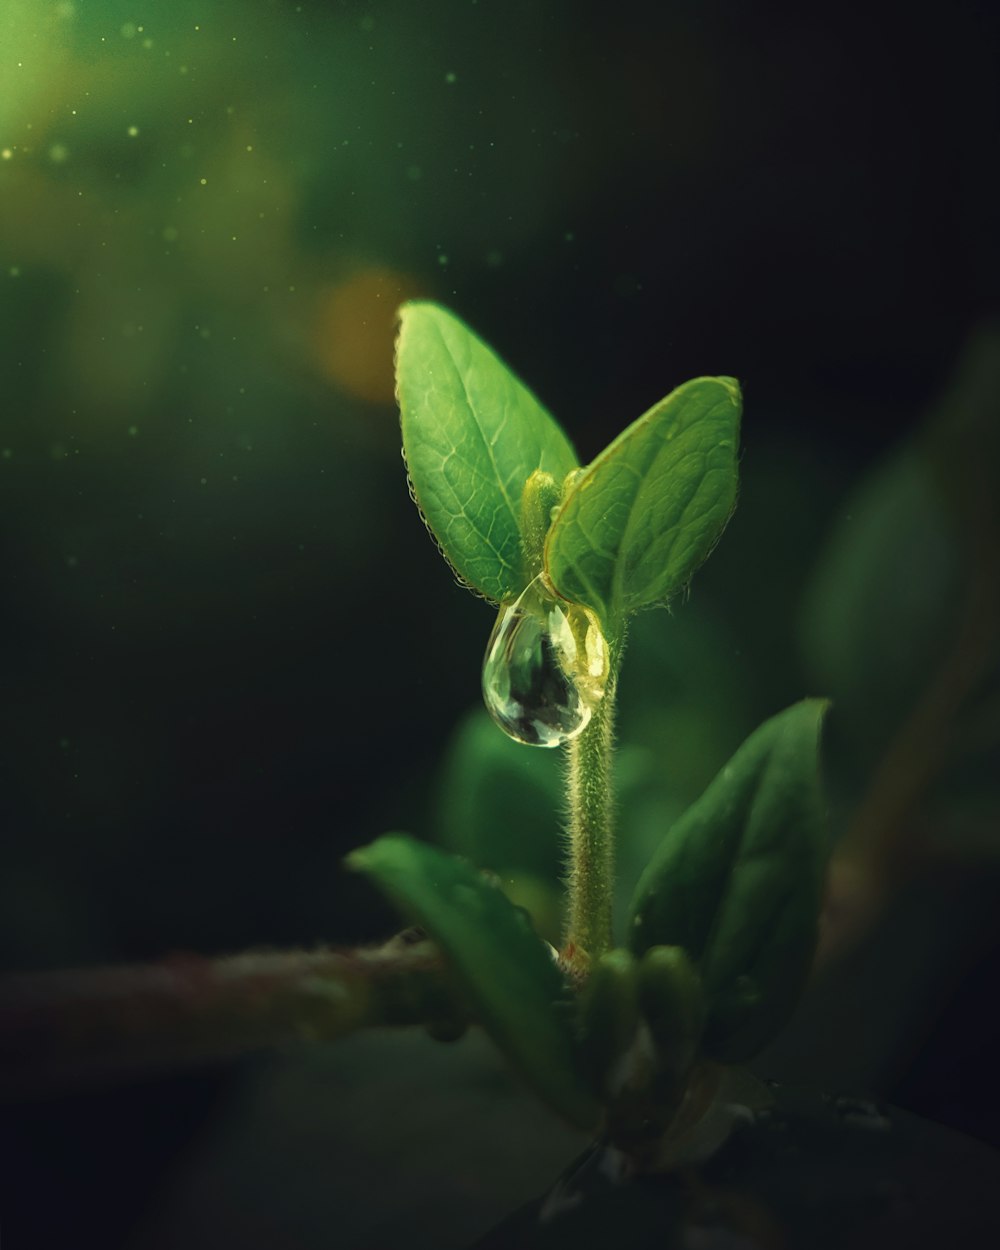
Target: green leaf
888,608
639,520
503,968
872,628
499,805
737,882
472,435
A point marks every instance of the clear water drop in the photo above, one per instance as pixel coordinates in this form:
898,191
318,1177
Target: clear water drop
545,668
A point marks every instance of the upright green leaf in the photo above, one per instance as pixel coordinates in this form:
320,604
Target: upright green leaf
504,969
737,881
641,518
472,435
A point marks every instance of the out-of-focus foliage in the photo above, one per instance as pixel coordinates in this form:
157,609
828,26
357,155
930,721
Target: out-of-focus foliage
901,621
883,598
389,1138
499,805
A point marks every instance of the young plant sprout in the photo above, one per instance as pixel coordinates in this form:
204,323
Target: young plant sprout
722,925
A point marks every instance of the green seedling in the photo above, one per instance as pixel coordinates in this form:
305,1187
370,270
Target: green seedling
722,926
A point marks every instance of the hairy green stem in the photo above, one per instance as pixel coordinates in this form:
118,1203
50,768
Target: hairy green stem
591,835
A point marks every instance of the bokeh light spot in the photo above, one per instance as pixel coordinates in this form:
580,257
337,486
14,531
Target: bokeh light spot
355,328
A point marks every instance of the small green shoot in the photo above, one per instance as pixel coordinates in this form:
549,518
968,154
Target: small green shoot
723,922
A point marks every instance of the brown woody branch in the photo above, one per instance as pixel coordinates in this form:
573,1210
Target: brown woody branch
66,1030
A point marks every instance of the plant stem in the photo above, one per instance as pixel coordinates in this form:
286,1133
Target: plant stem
69,1030
591,833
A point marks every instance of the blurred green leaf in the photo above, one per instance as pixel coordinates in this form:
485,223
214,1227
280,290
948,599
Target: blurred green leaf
908,576
500,805
639,520
736,883
961,441
503,968
684,693
881,603
472,435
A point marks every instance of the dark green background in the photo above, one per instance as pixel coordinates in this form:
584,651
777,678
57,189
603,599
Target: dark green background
230,652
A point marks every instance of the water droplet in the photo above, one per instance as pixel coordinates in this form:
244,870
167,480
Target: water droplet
545,669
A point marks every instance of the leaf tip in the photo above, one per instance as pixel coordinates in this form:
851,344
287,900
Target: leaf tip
354,861
412,305
733,390
818,705
359,860
412,310
366,858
